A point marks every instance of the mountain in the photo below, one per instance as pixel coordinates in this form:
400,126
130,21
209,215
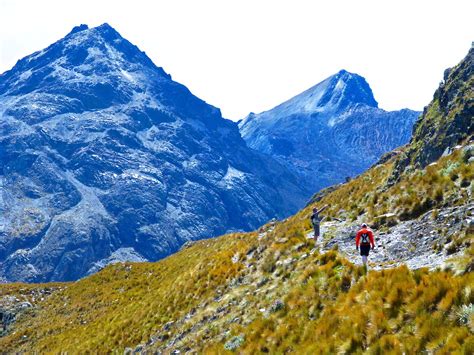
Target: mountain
105,158
269,291
446,121
329,132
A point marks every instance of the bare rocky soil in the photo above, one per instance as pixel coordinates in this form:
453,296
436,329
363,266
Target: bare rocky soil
430,241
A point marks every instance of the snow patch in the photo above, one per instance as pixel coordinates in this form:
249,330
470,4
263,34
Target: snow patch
25,75
128,76
233,173
138,175
232,177
94,53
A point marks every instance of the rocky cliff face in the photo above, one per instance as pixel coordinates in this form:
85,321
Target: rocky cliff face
104,158
446,121
329,132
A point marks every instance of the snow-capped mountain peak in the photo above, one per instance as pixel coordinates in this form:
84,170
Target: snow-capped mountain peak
93,55
335,93
105,158
325,132
347,89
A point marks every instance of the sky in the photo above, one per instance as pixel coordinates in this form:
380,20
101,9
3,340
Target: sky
251,55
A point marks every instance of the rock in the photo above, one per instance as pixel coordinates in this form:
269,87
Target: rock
234,343
251,252
276,306
262,281
447,120
469,267
168,326
277,255
468,152
470,225
6,319
25,305
288,261
235,259
298,247
188,244
236,281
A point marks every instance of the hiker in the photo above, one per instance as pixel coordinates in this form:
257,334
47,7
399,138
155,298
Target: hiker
316,220
365,239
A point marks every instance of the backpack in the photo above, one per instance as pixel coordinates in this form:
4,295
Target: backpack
364,238
315,219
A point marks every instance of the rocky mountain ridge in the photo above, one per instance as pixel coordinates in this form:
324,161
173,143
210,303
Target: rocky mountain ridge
105,158
331,131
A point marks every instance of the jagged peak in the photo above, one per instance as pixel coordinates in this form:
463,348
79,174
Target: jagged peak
100,44
107,31
83,34
344,73
337,92
106,26
79,28
346,88
103,28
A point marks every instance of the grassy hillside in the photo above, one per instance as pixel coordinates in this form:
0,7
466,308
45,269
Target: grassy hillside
123,304
444,183
265,291
317,303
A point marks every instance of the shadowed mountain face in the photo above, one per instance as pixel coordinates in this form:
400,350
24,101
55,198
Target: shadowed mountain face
332,130
105,158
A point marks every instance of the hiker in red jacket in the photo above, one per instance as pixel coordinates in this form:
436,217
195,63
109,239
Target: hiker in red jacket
365,239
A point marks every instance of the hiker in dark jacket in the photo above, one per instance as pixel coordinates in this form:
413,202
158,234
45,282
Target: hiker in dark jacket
316,221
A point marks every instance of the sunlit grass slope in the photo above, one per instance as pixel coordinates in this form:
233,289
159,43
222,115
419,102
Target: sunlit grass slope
326,304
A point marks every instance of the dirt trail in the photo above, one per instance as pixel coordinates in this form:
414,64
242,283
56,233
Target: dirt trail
424,242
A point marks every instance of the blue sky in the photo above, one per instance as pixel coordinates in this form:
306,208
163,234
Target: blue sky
244,56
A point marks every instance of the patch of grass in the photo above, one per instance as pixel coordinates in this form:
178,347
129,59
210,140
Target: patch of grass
392,310
413,195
